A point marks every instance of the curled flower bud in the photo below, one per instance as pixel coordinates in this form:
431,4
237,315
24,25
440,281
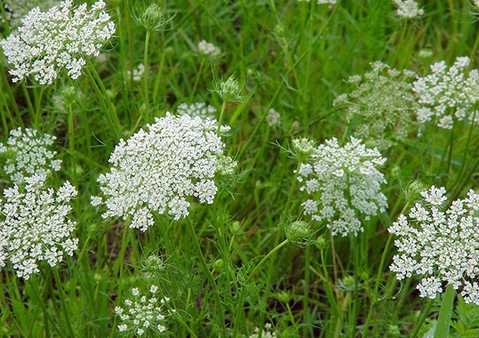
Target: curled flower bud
155,18
298,232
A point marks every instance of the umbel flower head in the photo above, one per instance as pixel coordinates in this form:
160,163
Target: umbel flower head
343,184
161,168
408,9
322,2
142,314
60,39
208,49
381,105
439,244
448,94
35,227
28,152
200,109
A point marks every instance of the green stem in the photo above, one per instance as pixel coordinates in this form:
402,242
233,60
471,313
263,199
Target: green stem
422,317
62,301
147,69
208,273
307,317
100,88
265,258
42,305
445,313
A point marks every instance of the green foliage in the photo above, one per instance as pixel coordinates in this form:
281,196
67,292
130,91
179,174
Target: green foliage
227,268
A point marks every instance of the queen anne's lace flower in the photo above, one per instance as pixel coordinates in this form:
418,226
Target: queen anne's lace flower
273,118
142,314
448,94
35,226
28,153
160,168
322,2
200,109
59,39
208,49
408,9
440,244
344,185
266,333
137,73
381,105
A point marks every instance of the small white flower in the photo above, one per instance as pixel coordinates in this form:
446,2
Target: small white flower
35,227
200,109
137,73
439,244
267,332
322,2
408,9
28,152
144,314
161,168
273,118
60,39
208,49
381,105
343,185
448,94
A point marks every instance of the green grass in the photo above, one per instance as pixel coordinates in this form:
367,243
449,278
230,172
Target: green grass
227,269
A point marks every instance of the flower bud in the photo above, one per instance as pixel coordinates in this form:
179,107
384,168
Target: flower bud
298,231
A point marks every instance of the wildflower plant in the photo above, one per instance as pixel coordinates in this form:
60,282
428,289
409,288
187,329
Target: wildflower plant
61,39
142,314
343,184
35,225
381,105
161,168
448,94
29,152
438,244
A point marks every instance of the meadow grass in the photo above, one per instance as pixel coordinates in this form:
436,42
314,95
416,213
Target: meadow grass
228,268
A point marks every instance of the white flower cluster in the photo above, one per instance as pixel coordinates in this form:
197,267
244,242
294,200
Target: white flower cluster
322,2
29,153
266,333
381,105
408,9
160,168
344,185
35,226
56,40
137,73
448,94
440,244
200,109
142,314
273,118
208,49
